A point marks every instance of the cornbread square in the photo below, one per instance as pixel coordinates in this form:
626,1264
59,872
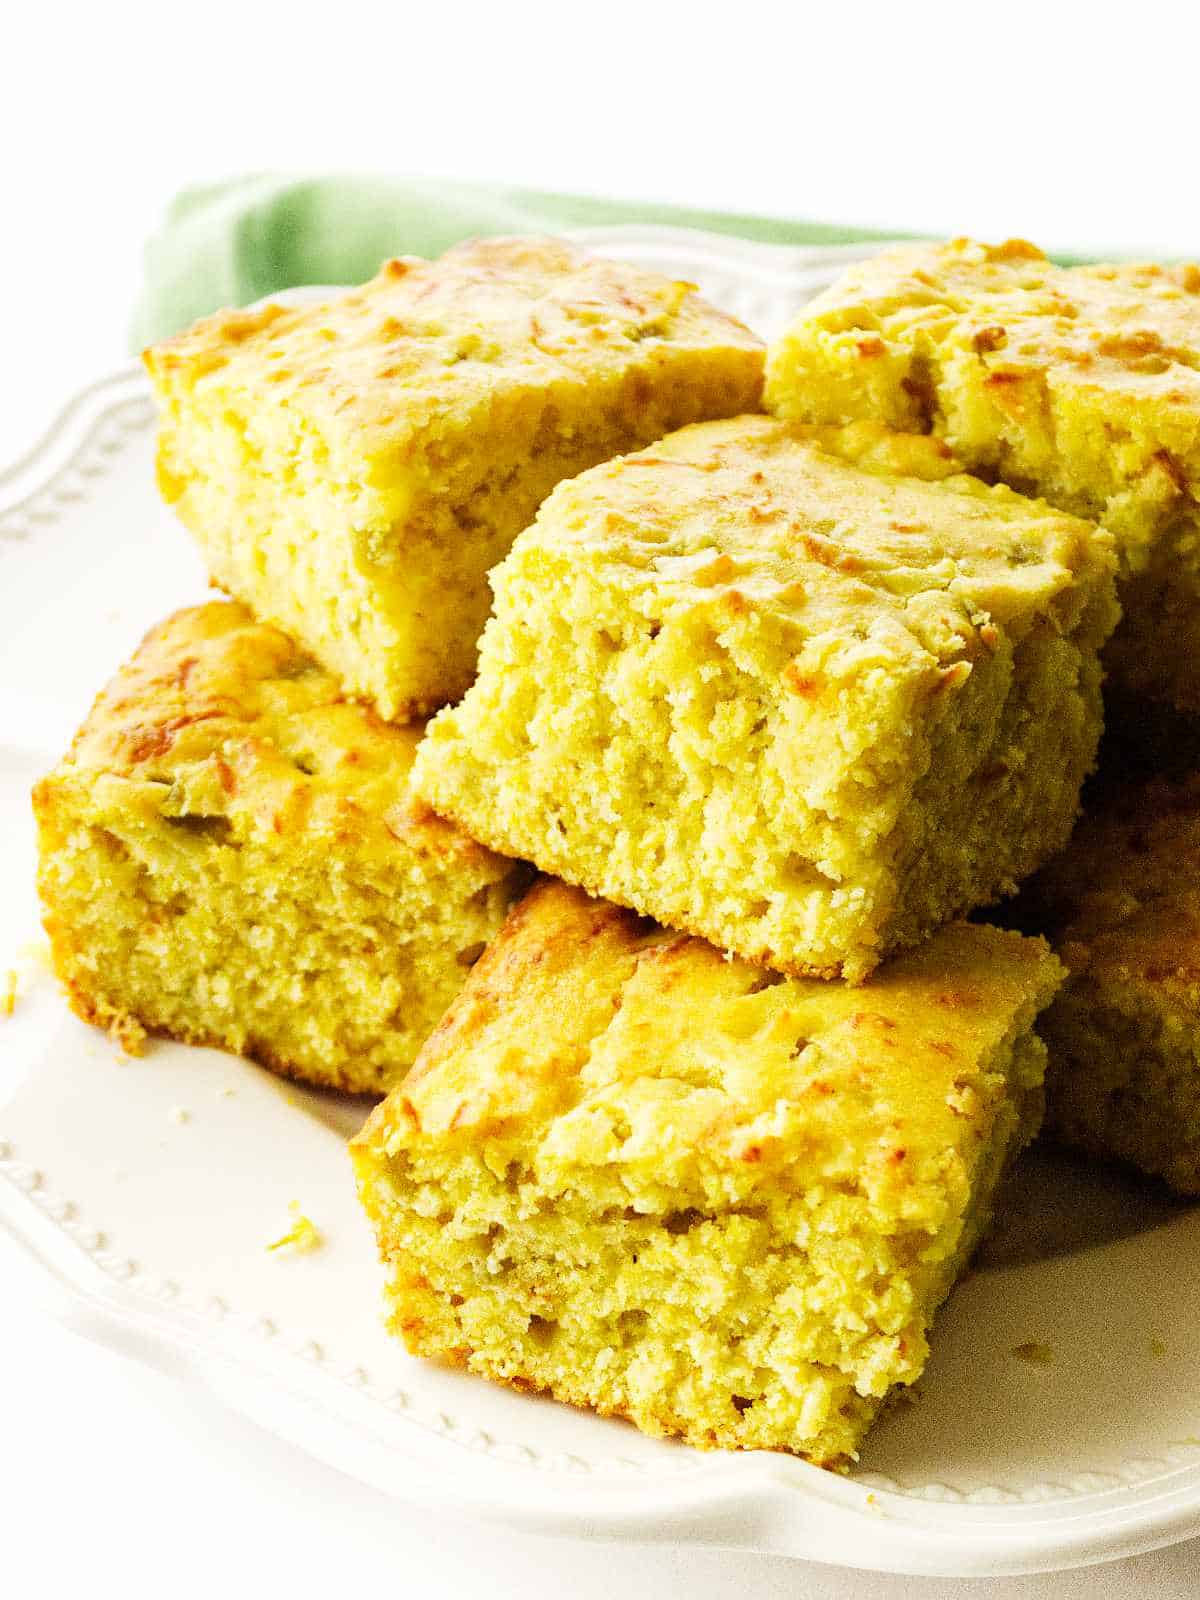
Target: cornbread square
231,855
1122,905
665,1184
352,470
784,699
1080,384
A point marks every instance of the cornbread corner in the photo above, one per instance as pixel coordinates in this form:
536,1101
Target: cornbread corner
757,684
1079,384
1122,907
231,855
352,470
661,1183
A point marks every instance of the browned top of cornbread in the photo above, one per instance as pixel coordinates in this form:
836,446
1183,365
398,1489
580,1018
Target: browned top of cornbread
840,530
235,721
429,342
1090,375
1123,899
586,1035
1133,326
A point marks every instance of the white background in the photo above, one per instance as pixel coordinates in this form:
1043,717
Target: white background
1071,125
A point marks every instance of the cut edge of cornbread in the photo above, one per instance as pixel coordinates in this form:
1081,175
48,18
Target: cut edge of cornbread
1123,1079
1122,908
230,856
691,748
353,470
1154,651
722,1205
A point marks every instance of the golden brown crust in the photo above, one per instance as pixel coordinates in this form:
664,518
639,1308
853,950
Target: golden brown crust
1131,328
1123,900
932,1016
644,1177
425,337
831,528
231,855
242,724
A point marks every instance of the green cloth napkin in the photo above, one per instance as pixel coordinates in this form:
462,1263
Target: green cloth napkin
230,243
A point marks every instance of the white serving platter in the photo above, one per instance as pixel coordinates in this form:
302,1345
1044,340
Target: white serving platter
146,1191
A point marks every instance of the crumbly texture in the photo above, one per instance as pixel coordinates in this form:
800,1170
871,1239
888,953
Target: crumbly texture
659,1182
231,855
1079,384
353,470
785,699
1122,904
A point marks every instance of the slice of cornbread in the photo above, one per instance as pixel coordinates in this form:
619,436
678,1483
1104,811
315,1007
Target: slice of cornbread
1122,905
656,1181
231,855
1080,384
352,470
796,704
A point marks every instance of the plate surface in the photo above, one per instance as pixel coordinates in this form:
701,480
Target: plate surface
147,1191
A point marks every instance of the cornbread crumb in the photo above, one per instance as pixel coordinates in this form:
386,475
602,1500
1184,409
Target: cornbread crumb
231,854
302,1237
1122,906
655,1181
1079,384
179,1115
352,470
33,957
125,1031
797,692
1040,1355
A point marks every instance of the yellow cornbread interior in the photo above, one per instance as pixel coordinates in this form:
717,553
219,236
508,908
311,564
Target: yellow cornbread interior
353,470
720,1203
806,705
1123,904
231,855
1078,384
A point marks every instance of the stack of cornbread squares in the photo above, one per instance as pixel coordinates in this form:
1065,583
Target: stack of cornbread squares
699,1086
